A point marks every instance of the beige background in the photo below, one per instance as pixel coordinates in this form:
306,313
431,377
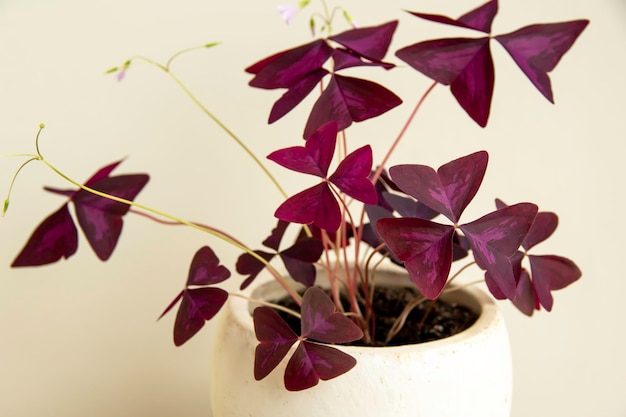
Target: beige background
79,338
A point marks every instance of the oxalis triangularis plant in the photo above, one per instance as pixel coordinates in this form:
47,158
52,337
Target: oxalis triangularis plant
356,214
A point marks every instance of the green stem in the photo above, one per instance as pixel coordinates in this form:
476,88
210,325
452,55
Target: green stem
212,231
208,113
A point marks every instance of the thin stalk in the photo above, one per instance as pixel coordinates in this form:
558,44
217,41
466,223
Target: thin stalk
217,121
401,134
213,232
267,304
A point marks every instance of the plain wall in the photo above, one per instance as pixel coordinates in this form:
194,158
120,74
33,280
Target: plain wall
79,337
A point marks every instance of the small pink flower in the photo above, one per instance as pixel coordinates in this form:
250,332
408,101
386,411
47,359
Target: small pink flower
288,12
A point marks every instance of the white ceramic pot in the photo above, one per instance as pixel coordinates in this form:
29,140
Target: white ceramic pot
465,375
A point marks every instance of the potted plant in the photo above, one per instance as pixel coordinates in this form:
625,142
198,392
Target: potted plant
361,211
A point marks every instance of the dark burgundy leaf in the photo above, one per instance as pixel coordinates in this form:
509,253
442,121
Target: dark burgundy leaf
55,238
101,218
343,59
299,259
286,69
537,49
351,176
480,18
198,305
322,322
102,173
274,239
526,299
496,237
369,42
314,157
314,205
312,362
543,227
296,94
275,337
408,207
206,269
448,190
251,266
348,100
425,248
172,304
464,64
550,273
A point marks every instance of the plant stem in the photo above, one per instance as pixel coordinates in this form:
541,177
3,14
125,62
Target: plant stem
217,121
401,134
267,304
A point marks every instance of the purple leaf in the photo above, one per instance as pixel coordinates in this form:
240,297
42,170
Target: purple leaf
343,59
251,266
314,157
408,207
347,100
447,191
274,239
351,176
537,49
322,322
299,259
198,306
286,69
296,94
315,205
494,238
312,362
424,246
526,299
55,238
543,227
551,272
369,42
480,18
102,173
101,218
275,337
464,64
205,268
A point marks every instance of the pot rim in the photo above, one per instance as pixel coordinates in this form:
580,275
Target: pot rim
470,296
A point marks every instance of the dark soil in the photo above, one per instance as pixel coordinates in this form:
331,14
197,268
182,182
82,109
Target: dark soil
442,319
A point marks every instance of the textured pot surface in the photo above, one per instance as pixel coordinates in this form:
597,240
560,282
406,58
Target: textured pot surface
466,375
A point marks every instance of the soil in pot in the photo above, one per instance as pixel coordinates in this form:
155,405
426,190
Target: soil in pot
430,320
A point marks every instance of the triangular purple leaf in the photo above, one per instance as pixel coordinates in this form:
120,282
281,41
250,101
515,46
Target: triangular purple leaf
55,238
448,190
347,100
251,266
312,362
205,268
287,68
480,18
351,176
315,205
299,259
314,157
322,322
343,59
295,94
494,238
424,246
408,207
101,218
551,272
275,337
369,42
537,49
197,306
